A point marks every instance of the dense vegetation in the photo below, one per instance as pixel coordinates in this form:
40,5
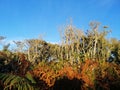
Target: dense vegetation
83,61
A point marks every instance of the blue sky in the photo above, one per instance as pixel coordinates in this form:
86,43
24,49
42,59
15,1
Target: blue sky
24,19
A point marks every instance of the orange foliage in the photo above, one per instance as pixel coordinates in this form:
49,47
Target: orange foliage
109,76
49,76
45,74
87,73
90,72
69,72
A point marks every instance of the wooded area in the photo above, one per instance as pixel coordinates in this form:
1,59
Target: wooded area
82,61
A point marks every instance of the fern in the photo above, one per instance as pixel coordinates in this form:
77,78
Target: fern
13,82
29,77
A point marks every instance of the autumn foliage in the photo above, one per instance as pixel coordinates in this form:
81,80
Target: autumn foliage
83,61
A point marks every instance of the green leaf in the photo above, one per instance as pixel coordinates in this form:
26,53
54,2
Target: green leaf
3,77
8,80
29,77
17,79
16,82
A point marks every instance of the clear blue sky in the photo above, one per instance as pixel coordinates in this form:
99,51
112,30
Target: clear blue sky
20,19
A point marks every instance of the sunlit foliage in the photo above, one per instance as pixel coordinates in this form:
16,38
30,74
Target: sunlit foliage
89,60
